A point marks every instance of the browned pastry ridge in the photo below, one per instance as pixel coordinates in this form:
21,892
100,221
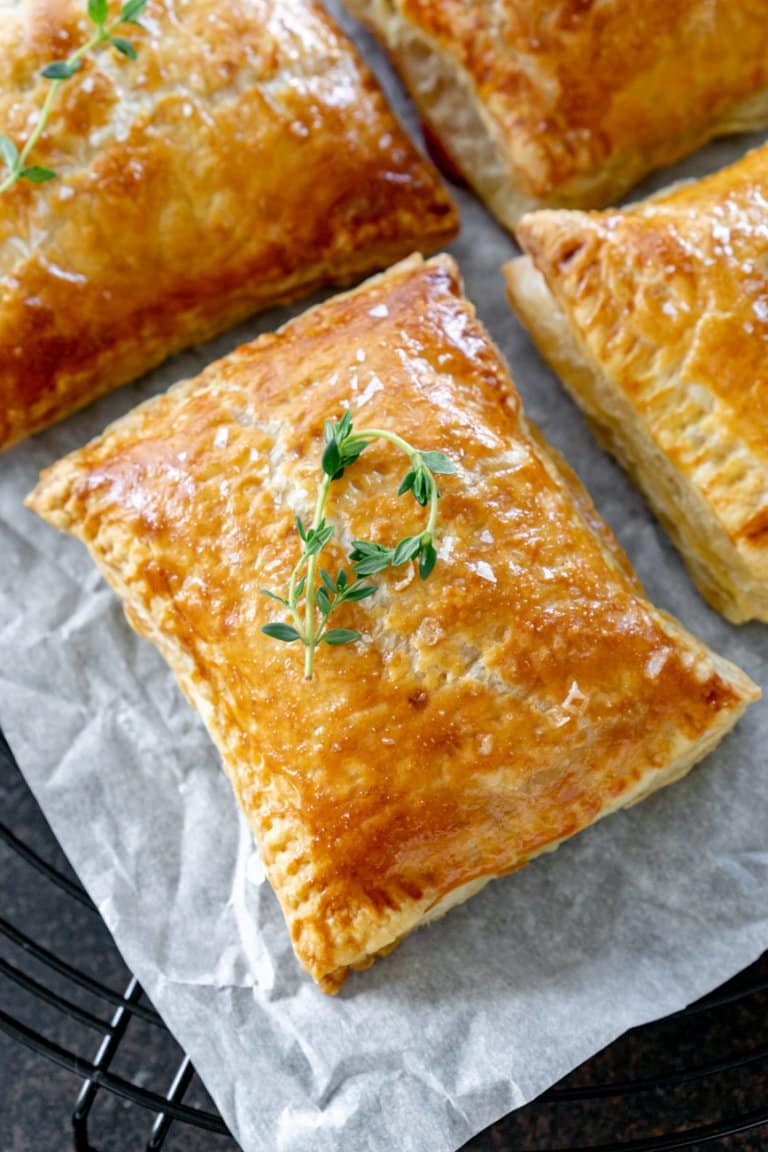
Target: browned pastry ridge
245,157
656,319
522,692
569,103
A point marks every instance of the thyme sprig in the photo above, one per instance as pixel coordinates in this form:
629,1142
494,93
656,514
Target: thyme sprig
343,448
58,71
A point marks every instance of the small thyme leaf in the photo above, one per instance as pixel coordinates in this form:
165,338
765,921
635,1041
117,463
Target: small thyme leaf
130,10
407,484
439,463
317,538
315,592
273,596
9,152
124,47
422,489
98,10
331,461
360,592
427,561
369,565
61,69
282,632
328,580
363,548
353,454
406,550
339,636
36,174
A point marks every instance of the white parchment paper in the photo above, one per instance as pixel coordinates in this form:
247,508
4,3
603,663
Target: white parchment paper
472,1016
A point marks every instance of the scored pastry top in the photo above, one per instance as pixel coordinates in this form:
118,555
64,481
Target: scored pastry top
522,691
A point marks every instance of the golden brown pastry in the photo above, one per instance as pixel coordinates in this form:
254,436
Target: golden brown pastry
656,319
522,692
246,156
570,103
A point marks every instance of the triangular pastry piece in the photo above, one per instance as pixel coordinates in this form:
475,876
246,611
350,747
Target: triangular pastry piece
656,319
524,690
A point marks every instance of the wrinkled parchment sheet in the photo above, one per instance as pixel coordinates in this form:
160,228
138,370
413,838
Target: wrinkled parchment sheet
472,1016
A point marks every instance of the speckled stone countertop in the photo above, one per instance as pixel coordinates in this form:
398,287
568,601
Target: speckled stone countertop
37,1097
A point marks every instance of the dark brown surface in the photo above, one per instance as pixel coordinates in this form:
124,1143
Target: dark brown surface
36,1097
687,1042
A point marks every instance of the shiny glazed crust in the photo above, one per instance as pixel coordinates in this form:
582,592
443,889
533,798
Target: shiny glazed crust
656,319
571,103
245,157
521,693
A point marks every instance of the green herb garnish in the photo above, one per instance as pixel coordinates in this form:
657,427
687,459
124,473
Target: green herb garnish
58,71
343,447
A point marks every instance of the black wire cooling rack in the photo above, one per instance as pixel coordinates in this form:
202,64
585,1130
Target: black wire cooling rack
695,1079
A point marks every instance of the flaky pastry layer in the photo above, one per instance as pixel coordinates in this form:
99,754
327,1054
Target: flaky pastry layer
570,104
522,692
244,158
656,319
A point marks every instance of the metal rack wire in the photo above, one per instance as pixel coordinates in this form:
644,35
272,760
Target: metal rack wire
168,1115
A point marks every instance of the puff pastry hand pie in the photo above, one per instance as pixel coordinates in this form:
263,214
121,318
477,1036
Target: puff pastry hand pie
522,692
656,319
246,156
570,103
